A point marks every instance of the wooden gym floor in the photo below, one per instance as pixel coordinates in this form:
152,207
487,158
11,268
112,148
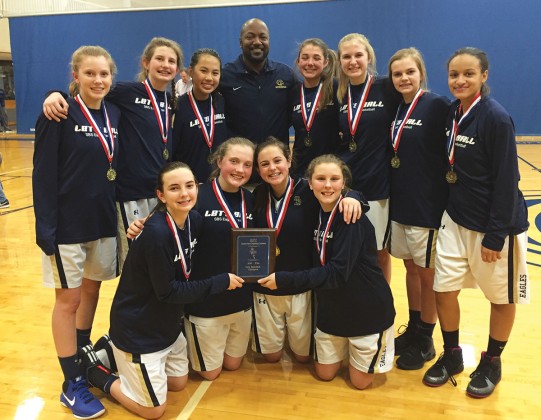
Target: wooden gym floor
30,376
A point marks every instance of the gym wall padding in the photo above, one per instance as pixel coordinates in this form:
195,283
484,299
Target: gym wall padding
508,31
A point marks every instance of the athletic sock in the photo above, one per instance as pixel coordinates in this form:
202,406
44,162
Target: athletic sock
415,317
70,367
495,347
100,377
83,337
450,339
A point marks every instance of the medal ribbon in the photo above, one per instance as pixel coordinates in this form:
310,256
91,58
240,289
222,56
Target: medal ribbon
164,127
322,250
309,119
225,206
456,125
396,129
185,260
282,211
353,120
108,149
207,134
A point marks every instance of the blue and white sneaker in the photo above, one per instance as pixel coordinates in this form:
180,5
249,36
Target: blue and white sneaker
76,396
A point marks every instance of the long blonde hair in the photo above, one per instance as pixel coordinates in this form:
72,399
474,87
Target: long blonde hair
88,51
417,57
343,80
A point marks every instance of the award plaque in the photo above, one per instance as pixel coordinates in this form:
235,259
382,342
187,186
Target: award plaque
253,253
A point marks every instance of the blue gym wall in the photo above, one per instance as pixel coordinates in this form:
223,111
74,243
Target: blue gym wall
508,31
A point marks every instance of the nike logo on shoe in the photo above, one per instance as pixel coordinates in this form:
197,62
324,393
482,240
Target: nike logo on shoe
70,402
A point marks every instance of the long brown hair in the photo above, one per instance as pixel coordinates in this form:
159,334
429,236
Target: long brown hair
327,75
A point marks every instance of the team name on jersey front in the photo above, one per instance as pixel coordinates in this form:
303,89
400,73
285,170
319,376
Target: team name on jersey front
462,141
329,235
218,118
410,122
220,216
89,131
187,250
147,103
368,106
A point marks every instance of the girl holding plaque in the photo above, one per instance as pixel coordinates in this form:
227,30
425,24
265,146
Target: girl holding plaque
315,110
218,327
482,241
73,181
200,119
145,127
367,109
418,198
146,336
355,311
285,202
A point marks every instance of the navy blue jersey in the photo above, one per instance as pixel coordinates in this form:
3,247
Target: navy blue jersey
146,311
74,202
258,105
213,253
141,150
324,133
353,297
486,197
189,145
296,236
418,187
370,163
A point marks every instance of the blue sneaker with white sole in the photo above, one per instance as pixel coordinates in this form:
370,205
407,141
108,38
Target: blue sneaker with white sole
82,403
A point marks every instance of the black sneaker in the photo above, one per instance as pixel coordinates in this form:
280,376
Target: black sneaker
414,357
449,363
105,353
96,373
485,378
405,338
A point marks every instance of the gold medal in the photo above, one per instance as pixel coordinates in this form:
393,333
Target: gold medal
111,174
352,147
395,162
277,251
308,141
451,177
165,154
209,159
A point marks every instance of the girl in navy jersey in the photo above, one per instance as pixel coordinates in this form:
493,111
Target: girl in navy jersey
418,198
145,126
482,240
287,204
146,314
199,126
218,327
367,109
73,181
355,309
315,110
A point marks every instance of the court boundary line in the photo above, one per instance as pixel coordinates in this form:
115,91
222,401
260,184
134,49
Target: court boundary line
190,407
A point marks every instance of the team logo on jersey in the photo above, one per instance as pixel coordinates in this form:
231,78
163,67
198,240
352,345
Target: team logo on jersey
464,141
280,84
218,118
89,131
368,106
297,200
148,104
410,122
